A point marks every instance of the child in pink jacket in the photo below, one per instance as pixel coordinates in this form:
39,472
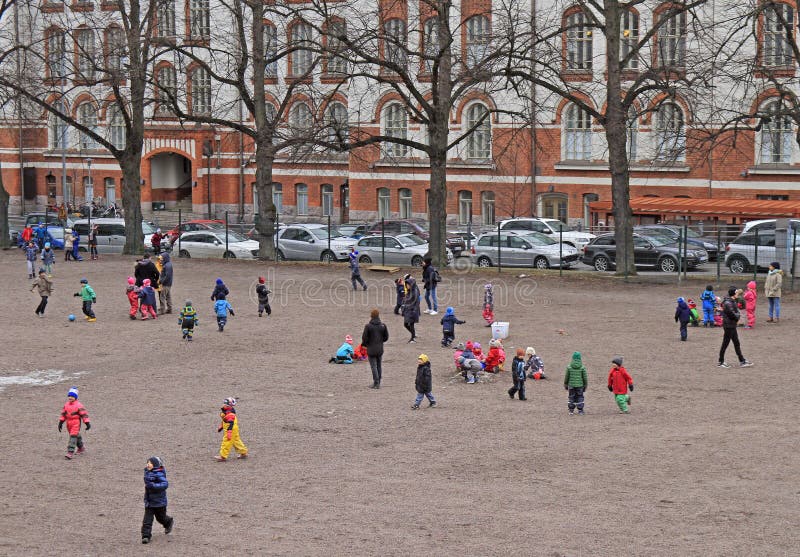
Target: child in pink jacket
750,297
133,297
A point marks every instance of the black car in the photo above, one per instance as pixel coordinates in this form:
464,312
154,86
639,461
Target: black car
694,240
648,251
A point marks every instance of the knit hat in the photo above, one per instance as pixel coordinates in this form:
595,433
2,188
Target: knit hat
155,461
158,230
460,346
576,356
488,286
424,358
731,290
47,244
261,280
710,287
680,299
617,360
146,282
131,280
529,351
230,401
469,345
477,346
493,342
751,285
775,264
407,276
348,339
73,392
219,282
449,311
187,303
84,281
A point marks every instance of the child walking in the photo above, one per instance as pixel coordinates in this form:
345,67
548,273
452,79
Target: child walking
220,291
750,297
488,304
535,365
73,413
147,294
133,297
772,289
188,320
424,382
400,289
708,298
30,258
449,322
67,244
48,258
45,286
221,308
155,498
355,272
88,298
263,297
230,423
518,375
682,316
576,381
619,381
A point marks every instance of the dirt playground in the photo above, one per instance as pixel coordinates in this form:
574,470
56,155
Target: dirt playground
706,463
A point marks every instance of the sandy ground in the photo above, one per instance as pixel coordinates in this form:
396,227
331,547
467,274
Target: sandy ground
705,464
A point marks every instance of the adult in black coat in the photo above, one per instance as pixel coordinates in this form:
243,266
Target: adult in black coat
730,320
146,269
374,335
411,307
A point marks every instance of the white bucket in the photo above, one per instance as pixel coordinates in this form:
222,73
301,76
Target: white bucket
500,329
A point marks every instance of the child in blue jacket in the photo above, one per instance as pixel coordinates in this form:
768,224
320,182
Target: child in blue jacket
682,316
449,322
221,308
30,257
344,355
155,498
708,298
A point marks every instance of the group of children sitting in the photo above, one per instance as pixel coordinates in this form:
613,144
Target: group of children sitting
687,313
471,361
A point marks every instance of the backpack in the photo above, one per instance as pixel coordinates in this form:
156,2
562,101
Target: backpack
436,278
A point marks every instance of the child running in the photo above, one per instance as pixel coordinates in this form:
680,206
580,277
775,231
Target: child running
88,298
220,291
576,381
263,297
449,322
48,259
73,413
682,316
221,308
518,375
424,382
155,498
230,424
188,320
619,381
45,287
133,297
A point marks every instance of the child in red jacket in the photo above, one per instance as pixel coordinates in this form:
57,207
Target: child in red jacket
73,413
495,357
750,298
133,297
619,381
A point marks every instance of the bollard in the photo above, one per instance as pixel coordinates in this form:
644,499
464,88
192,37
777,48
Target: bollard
383,241
499,256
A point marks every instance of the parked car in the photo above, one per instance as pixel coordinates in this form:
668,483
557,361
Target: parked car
50,218
193,225
469,238
353,230
740,254
553,227
253,234
648,251
394,227
110,234
309,242
403,249
530,249
694,240
768,224
211,243
55,236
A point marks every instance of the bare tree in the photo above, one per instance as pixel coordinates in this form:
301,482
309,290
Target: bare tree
9,55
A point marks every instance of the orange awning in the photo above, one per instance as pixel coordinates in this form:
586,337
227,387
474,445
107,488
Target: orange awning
681,206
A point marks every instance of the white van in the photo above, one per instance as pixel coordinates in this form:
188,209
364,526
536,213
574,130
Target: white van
768,224
110,234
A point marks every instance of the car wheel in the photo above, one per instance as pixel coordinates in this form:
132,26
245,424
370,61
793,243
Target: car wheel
279,256
365,259
184,253
82,250
327,257
668,265
484,262
416,261
229,255
738,265
601,263
541,263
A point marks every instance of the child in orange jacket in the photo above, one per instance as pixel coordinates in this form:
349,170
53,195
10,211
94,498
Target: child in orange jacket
495,357
750,298
73,414
230,424
133,297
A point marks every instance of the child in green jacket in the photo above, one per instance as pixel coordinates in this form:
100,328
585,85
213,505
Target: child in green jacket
575,381
88,296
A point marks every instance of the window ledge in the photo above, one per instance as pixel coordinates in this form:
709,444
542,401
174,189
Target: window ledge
603,167
95,153
782,169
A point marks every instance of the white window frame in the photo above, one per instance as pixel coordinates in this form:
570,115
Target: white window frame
632,132
478,38
336,65
629,40
336,122
395,42
165,19
201,91
167,84
302,58
301,199
464,206
395,124
579,42
384,203
199,19
405,202
777,51
326,199
270,50
116,126
431,46
110,190
776,137
487,208
672,42
577,134
479,142
670,133
87,116
59,133
277,197
56,53
301,120
86,46
88,188
115,47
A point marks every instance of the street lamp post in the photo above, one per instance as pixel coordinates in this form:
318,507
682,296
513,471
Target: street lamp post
208,152
88,191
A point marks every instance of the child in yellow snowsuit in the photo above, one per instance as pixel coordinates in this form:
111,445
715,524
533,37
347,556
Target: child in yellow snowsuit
230,438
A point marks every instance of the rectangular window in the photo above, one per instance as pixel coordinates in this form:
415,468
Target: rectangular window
270,50
384,203
405,203
327,200
767,197
579,43
337,65
199,19
778,26
165,19
116,49
111,191
277,198
629,41
56,46
672,42
86,53
302,199
301,58
201,92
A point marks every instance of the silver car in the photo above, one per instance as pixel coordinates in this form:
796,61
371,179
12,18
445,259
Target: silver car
211,243
404,249
309,242
531,249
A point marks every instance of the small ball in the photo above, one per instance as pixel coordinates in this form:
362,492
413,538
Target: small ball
71,317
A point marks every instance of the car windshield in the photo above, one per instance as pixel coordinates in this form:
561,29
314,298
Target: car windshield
411,240
233,237
322,233
539,239
558,225
659,240
56,232
147,228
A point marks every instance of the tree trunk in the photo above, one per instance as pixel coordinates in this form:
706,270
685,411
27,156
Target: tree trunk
132,202
616,128
5,239
438,208
265,218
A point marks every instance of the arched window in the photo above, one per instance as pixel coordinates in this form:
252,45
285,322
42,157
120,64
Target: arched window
404,197
478,37
58,128
56,53
633,135
116,126
270,50
115,49
431,40
167,89
87,116
671,40
199,19
384,203
165,19
326,199
777,136
395,42
302,56
336,63
395,124
629,41
301,193
487,207
577,134
464,207
554,206
579,42
670,133
85,46
201,92
336,123
300,120
479,142
778,27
